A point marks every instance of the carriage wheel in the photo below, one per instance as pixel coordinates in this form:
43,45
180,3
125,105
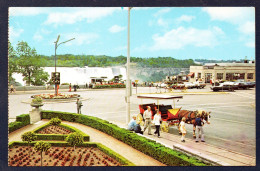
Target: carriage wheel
139,120
165,126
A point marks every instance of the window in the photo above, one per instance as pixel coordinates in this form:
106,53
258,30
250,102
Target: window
199,75
219,76
250,76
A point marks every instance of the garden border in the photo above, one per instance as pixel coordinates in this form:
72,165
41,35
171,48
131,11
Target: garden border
100,146
58,136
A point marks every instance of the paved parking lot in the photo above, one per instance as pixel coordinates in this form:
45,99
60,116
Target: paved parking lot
232,122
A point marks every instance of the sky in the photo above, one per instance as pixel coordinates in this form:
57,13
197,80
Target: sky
216,33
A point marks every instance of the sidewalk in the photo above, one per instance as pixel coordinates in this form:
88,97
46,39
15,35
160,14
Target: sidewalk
216,155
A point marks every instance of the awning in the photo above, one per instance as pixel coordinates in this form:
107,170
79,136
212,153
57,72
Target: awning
190,74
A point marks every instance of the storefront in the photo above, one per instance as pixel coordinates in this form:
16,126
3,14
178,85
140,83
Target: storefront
222,71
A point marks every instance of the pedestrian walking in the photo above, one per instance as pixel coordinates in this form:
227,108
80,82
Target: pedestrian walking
199,128
79,105
147,119
12,89
157,122
183,129
70,87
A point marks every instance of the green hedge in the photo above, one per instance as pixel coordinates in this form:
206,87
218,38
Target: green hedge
101,147
21,121
57,136
157,151
109,86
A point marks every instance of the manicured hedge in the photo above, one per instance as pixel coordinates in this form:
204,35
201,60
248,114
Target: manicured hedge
101,147
109,86
57,136
157,151
21,121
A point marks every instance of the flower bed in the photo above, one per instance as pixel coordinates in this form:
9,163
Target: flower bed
114,85
54,129
61,154
59,96
55,136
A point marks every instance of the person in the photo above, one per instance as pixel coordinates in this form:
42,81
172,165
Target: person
11,88
157,122
75,87
183,129
79,104
147,117
133,126
86,85
199,128
70,87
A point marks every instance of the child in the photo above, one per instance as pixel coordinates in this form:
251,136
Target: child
183,129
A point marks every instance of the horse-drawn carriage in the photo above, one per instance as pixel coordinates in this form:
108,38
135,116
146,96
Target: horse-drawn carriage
170,114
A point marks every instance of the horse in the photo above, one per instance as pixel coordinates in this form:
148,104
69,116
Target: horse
190,117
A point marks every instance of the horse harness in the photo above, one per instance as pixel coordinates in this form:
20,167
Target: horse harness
189,116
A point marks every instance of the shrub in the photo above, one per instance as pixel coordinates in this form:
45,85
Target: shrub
55,121
37,100
74,139
21,121
157,151
42,146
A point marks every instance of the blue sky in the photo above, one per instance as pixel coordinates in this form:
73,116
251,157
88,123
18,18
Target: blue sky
182,33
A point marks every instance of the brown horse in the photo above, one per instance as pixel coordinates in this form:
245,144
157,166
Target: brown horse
191,116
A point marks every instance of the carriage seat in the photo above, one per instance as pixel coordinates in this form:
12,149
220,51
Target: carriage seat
164,111
143,107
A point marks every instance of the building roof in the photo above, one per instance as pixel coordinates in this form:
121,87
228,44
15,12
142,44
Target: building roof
229,64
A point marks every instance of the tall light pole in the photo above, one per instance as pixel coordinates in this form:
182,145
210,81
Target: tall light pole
128,84
56,46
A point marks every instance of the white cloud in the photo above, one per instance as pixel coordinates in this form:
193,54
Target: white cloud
235,15
80,38
242,17
247,28
162,22
79,14
162,11
186,18
14,33
116,28
250,44
181,37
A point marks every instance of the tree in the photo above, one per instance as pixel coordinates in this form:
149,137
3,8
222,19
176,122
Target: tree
74,139
39,77
42,146
12,64
28,62
28,137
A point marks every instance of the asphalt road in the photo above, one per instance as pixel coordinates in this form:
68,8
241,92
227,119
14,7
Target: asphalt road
232,114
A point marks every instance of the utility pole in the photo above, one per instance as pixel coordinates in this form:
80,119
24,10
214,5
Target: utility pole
128,84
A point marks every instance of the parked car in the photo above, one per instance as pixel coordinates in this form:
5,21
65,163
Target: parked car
189,85
199,84
222,87
242,85
251,84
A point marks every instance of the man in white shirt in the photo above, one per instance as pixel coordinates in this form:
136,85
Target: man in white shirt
147,117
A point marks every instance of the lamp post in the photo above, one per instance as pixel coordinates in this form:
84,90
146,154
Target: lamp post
56,46
128,84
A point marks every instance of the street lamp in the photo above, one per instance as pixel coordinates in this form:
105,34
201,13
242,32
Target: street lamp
56,46
128,84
